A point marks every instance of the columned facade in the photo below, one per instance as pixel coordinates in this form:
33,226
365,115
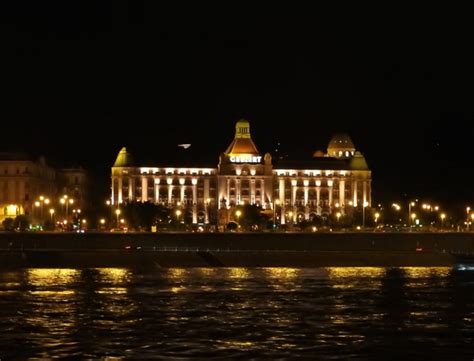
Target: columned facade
338,180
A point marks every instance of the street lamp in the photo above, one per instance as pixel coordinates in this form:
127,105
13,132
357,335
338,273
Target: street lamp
51,212
117,212
291,216
65,201
276,203
442,216
410,218
376,216
363,213
178,213
40,203
338,215
238,213
102,223
468,210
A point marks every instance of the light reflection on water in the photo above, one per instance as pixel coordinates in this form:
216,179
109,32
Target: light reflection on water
326,313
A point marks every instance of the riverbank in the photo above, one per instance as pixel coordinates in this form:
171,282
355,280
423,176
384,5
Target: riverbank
232,249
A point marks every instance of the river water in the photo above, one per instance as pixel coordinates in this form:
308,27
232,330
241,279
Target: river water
325,313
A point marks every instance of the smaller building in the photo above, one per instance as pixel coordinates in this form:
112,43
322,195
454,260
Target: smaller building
30,186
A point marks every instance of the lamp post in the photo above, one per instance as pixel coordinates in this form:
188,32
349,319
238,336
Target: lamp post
102,223
111,214
238,213
65,201
117,212
338,215
41,198
276,203
442,216
364,205
468,209
411,204
37,204
178,213
40,203
376,217
51,212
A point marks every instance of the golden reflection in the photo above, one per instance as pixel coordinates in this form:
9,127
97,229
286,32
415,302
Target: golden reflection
177,289
41,277
53,293
179,273
236,344
350,277
284,274
112,290
238,273
114,275
426,272
359,272
207,271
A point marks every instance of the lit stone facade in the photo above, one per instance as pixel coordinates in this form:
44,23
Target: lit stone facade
336,181
24,179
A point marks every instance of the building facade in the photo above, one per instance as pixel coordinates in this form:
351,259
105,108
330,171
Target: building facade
24,180
336,181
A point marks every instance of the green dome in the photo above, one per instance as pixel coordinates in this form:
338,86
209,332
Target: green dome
124,159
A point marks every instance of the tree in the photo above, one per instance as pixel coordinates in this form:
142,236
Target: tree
143,215
22,222
232,226
250,217
8,224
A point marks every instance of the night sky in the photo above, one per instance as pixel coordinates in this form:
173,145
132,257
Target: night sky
82,81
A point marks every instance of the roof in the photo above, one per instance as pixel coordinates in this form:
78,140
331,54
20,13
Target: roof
358,162
242,143
242,146
341,141
124,159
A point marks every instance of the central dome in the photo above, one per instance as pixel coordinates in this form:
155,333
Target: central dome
341,146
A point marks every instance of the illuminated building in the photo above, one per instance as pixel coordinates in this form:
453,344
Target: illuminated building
334,182
24,179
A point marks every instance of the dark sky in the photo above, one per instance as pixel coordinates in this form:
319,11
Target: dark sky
80,81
